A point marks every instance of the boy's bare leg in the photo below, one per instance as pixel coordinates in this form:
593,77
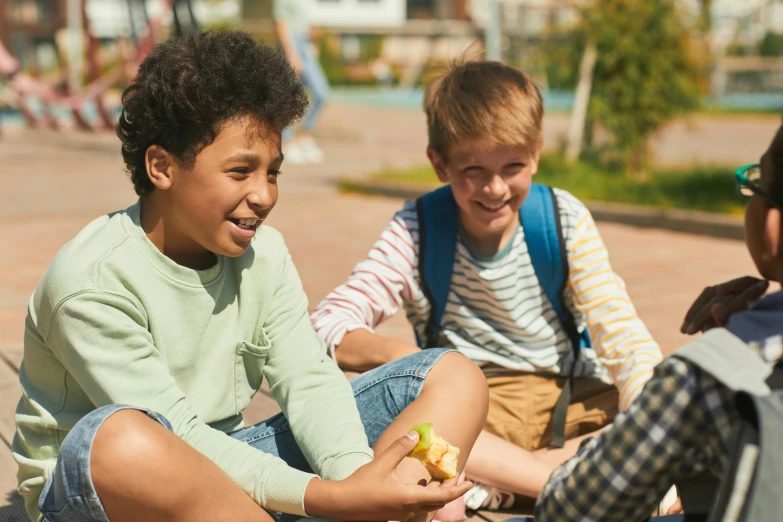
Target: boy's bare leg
556,456
142,471
454,400
499,463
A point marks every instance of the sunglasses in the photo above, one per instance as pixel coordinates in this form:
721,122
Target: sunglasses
747,180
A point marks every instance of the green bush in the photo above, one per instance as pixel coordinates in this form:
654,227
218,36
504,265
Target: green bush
736,49
771,44
647,71
560,55
336,67
256,8
331,60
700,188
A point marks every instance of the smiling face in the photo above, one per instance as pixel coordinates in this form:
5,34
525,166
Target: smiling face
490,182
215,206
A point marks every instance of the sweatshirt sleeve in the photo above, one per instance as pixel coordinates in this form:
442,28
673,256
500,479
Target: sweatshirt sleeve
313,393
102,339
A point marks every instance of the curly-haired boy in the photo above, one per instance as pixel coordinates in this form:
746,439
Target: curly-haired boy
153,328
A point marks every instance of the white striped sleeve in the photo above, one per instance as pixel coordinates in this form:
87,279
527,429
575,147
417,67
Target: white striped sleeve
374,291
620,338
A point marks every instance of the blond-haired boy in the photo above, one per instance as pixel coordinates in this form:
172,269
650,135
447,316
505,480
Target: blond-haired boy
484,124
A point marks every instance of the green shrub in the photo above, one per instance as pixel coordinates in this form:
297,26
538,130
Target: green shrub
700,188
648,71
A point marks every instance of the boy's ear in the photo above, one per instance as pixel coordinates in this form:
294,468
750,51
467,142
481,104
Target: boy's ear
773,233
160,166
534,159
438,164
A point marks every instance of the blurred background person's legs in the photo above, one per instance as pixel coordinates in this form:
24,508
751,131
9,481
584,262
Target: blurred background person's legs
300,145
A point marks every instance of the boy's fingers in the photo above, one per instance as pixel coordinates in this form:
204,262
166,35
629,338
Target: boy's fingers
431,508
438,483
752,293
719,302
698,305
699,321
442,495
720,314
456,491
398,450
733,287
737,286
727,305
708,325
452,482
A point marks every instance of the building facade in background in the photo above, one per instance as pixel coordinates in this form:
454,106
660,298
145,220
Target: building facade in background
357,13
744,21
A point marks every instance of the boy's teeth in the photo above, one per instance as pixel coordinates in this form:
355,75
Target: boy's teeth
247,222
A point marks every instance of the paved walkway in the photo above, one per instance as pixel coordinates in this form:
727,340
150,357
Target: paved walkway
54,184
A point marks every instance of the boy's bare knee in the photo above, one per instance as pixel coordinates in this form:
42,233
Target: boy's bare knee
124,442
453,364
460,376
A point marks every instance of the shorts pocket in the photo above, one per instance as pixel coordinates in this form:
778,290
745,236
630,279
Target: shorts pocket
249,363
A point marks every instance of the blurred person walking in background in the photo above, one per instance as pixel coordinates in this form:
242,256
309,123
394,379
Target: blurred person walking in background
293,32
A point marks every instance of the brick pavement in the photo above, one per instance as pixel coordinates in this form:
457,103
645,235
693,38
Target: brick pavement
51,185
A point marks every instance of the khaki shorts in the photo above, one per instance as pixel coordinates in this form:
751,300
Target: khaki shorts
520,407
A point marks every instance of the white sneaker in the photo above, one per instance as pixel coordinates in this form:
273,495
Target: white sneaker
312,152
481,496
294,154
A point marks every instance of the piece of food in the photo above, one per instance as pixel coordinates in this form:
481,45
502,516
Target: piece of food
437,455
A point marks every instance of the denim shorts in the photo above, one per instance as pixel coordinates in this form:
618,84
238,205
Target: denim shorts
381,394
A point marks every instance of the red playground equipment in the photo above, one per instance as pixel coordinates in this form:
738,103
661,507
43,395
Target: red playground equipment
26,25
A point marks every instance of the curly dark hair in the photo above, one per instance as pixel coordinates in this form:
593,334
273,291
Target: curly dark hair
190,85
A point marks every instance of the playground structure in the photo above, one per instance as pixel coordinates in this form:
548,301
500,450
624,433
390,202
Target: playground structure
87,68
80,91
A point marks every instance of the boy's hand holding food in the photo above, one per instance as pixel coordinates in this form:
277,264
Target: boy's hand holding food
376,492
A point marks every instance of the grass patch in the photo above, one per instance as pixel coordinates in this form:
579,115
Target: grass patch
702,188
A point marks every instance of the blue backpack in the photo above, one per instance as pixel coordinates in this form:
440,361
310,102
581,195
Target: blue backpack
540,217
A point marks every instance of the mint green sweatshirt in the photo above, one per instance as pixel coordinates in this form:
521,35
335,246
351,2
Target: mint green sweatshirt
114,321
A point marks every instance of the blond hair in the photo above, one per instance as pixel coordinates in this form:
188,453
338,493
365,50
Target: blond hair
483,100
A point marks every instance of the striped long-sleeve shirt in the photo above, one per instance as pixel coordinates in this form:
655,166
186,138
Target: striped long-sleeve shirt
497,312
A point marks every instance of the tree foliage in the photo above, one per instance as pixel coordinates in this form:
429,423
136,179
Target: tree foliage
771,45
256,8
649,71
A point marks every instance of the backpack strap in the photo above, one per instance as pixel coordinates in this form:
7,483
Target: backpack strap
437,214
732,362
750,488
737,366
540,218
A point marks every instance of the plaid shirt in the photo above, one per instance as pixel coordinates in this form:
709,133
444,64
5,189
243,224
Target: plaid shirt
678,427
